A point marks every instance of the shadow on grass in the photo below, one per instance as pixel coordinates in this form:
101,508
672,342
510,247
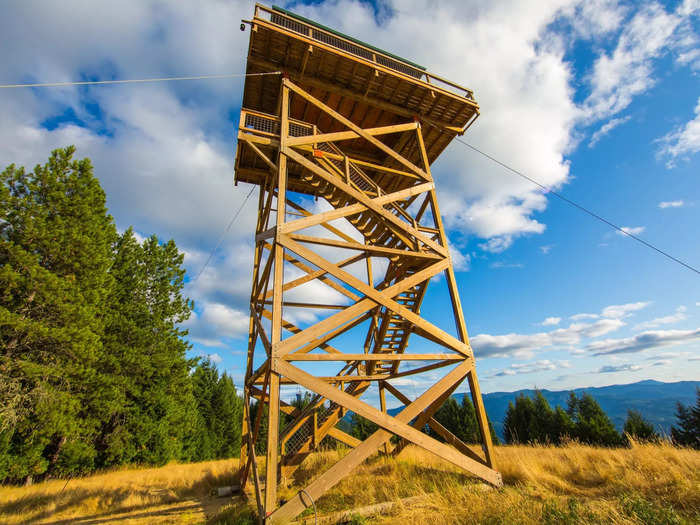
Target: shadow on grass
39,507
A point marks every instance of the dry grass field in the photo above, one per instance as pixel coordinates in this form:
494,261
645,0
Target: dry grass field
645,484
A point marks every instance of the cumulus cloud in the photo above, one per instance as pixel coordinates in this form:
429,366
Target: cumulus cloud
620,311
530,368
627,71
681,143
164,152
525,345
676,317
671,204
584,316
644,341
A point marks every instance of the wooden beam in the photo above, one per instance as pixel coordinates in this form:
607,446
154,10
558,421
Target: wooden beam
357,309
346,211
354,127
379,297
348,135
373,357
368,447
383,250
445,434
399,225
389,423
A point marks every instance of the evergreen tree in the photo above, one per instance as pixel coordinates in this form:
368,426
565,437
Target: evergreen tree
229,407
145,352
93,365
362,428
517,422
55,249
459,419
639,428
591,425
687,433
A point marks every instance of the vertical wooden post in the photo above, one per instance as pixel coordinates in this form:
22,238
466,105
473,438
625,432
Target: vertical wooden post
276,333
460,323
382,406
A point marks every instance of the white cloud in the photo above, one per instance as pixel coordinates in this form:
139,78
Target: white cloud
216,322
682,142
593,19
582,317
550,321
641,342
497,244
163,152
676,317
671,204
543,365
525,345
632,230
620,311
606,128
627,71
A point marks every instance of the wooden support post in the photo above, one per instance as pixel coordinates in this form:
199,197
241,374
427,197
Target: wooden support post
382,406
274,395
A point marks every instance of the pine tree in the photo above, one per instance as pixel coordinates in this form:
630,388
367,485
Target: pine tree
532,420
639,428
146,354
687,433
362,428
517,422
591,425
55,249
229,407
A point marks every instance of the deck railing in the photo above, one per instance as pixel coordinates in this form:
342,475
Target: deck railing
336,41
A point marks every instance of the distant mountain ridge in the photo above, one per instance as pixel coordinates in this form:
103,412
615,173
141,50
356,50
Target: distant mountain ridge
656,401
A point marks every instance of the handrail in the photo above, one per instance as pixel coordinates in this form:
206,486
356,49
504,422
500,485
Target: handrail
335,40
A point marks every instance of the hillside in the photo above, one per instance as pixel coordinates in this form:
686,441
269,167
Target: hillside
647,484
656,400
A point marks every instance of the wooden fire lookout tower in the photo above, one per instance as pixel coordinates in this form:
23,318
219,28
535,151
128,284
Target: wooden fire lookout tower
340,137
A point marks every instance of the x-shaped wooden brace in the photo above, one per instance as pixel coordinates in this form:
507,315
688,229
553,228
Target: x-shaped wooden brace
389,425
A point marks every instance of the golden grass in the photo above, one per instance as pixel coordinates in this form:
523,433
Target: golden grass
174,493
645,484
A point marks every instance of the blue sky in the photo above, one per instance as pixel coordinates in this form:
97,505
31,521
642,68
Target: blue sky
600,100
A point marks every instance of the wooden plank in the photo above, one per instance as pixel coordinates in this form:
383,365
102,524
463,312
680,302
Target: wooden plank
276,333
346,211
373,357
312,274
387,422
361,132
362,247
448,436
341,436
357,309
371,292
400,226
368,447
347,135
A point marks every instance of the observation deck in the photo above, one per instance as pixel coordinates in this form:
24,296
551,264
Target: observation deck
370,87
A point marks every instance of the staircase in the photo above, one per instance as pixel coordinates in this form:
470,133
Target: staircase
390,334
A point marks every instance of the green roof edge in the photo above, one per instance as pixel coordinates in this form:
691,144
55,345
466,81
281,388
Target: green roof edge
347,37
